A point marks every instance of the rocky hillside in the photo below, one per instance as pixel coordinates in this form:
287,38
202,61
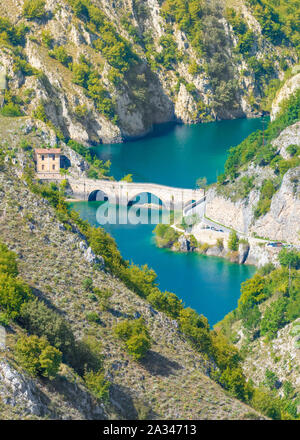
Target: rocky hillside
259,193
64,274
256,201
266,328
101,71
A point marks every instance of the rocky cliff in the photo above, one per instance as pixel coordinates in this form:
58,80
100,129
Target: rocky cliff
145,68
289,87
281,223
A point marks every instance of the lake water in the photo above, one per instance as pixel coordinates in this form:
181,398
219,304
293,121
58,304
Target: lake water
177,156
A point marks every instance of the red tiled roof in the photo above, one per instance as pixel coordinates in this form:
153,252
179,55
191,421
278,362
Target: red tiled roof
48,151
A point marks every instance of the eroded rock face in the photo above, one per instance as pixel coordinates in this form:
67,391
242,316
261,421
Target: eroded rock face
282,221
16,389
150,92
237,215
185,244
284,93
289,136
243,252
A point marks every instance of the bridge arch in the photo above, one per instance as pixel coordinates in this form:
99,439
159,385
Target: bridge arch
145,197
98,196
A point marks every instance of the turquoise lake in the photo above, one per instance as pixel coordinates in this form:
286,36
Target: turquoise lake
177,156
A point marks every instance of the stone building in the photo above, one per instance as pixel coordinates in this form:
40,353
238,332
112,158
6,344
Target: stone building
48,160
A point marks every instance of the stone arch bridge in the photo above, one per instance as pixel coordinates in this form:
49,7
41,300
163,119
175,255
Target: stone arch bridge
124,193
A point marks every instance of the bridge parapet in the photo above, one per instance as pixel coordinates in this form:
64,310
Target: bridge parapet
122,192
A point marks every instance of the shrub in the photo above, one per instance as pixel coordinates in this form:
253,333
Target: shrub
92,317
37,356
138,345
47,38
234,381
81,111
136,337
196,328
127,178
86,356
8,263
13,293
87,284
39,320
40,112
97,384
165,235
103,297
11,110
274,318
13,35
34,9
293,149
271,380
289,258
264,402
166,302
267,191
61,55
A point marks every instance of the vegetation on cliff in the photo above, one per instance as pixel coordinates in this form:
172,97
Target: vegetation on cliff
196,61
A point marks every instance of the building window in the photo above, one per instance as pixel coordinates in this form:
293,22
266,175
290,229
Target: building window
53,167
43,157
43,167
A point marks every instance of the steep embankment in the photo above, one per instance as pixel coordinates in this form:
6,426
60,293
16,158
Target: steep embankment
101,71
171,382
258,195
266,328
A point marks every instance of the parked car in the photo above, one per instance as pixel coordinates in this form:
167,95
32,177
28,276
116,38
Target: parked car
275,244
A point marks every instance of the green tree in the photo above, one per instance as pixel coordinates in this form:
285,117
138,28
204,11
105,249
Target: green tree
13,293
8,263
253,291
289,258
265,403
37,356
34,9
135,336
233,242
274,318
234,381
138,345
39,320
97,384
